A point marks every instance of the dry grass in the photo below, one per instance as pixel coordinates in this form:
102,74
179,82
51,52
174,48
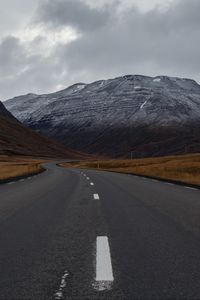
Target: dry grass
183,168
12,167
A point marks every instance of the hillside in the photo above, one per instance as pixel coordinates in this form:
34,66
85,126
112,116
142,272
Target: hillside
143,115
15,139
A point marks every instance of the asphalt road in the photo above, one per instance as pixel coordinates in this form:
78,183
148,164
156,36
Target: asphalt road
83,234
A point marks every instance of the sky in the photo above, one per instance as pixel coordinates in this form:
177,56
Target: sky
47,45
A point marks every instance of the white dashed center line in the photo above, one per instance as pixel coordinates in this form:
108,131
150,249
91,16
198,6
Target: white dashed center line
96,197
91,183
88,178
104,273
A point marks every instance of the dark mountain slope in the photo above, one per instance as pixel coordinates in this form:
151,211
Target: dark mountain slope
15,139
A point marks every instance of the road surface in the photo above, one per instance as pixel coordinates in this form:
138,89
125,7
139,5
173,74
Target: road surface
83,234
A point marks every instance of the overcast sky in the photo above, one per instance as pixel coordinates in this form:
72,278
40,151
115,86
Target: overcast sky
46,45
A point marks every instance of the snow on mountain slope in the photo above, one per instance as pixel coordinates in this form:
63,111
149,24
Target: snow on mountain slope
150,116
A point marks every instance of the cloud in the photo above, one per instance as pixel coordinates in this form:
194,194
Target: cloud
14,14
23,71
75,13
135,42
70,41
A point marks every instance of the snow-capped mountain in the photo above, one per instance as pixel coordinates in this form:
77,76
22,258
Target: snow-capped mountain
146,115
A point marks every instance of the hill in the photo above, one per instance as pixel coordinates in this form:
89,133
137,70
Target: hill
145,116
16,139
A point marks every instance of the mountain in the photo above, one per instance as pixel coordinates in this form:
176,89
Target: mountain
148,116
15,139
4,112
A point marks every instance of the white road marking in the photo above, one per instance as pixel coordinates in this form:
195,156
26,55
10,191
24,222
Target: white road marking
186,187
11,182
21,180
59,293
191,188
155,180
91,183
104,272
88,178
96,197
29,178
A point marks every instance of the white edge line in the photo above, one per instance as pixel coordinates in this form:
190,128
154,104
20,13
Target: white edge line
191,188
186,187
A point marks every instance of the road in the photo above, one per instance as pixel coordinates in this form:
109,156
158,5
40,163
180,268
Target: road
84,234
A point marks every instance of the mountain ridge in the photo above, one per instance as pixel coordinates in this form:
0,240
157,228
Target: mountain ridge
148,116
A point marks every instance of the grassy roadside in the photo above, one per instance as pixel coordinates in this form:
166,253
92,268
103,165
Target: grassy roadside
13,167
182,168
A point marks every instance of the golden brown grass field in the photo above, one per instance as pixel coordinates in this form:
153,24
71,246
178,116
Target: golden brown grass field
183,168
11,167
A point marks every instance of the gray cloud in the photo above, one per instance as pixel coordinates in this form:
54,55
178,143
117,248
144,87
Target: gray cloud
14,14
22,72
75,13
12,56
134,42
114,41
